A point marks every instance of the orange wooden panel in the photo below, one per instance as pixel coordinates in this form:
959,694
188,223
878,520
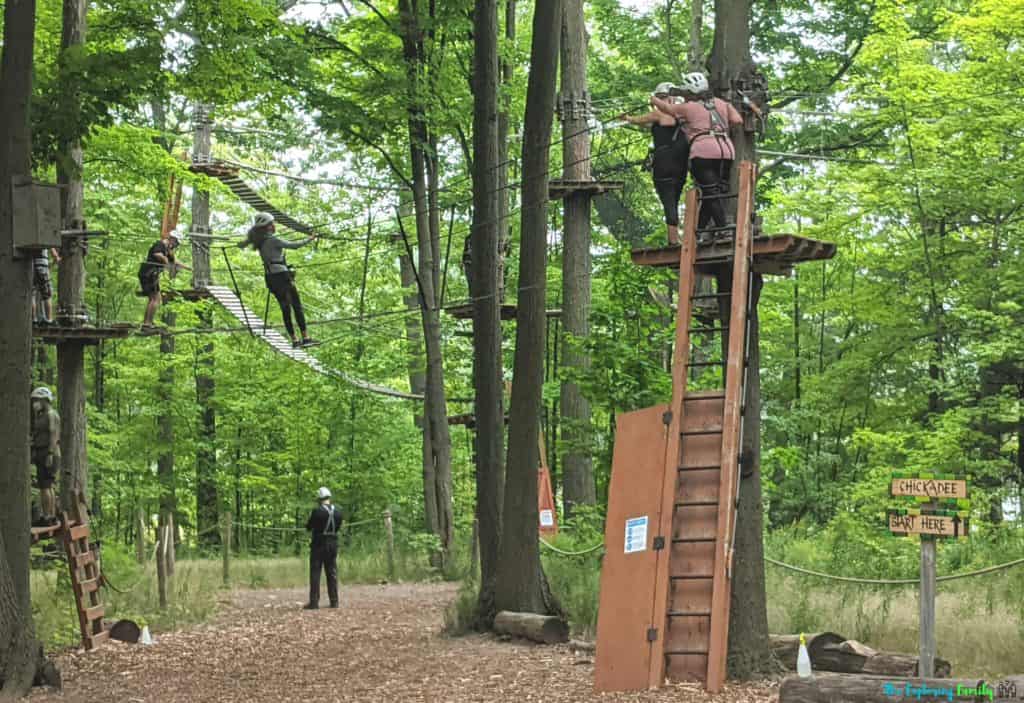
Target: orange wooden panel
688,634
628,580
692,559
690,595
700,450
697,486
686,668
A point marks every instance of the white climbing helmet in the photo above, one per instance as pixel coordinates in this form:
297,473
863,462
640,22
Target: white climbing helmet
42,393
323,493
696,83
263,219
663,89
177,235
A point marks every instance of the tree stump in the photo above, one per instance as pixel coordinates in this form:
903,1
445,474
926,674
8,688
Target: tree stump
546,629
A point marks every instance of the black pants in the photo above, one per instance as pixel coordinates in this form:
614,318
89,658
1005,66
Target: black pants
323,555
712,177
669,190
283,288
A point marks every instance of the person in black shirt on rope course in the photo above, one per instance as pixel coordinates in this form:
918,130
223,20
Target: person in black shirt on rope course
323,524
669,158
159,258
278,275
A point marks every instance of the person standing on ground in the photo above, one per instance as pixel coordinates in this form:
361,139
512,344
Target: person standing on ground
706,121
159,258
279,277
42,300
45,450
323,523
669,158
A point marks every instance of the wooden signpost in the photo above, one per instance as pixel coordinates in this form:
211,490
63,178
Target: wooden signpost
929,522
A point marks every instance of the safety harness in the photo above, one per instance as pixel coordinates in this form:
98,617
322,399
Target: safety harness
719,128
330,529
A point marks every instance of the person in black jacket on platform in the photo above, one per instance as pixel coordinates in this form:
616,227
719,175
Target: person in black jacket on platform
324,523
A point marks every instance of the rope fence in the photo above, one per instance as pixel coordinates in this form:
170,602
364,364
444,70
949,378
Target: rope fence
893,582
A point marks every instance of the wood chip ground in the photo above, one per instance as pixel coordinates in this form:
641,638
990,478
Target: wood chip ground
383,644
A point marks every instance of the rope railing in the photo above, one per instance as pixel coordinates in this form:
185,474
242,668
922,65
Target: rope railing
565,553
893,582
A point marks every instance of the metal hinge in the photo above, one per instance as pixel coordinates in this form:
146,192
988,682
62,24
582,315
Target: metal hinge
659,543
652,634
666,417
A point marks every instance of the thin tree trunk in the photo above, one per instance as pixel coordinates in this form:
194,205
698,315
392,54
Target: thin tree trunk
165,425
521,584
504,120
17,640
695,53
577,465
71,284
436,404
484,290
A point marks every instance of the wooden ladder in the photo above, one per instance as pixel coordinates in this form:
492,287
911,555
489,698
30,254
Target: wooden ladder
85,575
699,497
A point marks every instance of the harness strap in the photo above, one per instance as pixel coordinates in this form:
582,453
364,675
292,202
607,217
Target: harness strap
330,528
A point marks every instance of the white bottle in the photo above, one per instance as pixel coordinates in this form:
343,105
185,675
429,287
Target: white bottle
803,659
145,638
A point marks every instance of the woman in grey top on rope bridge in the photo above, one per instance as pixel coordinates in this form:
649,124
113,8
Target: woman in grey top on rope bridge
278,275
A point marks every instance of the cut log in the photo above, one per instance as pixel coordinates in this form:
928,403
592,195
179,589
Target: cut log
786,647
848,688
546,629
830,652
581,646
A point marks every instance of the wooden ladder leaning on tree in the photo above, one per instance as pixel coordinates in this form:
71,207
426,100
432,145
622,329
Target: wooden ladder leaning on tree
665,595
73,530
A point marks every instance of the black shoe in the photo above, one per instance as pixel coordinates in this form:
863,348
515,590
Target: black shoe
311,606
308,342
333,605
296,344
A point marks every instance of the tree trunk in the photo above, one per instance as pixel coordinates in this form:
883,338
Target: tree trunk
748,624
577,466
695,53
207,508
825,688
484,290
71,283
504,120
165,424
435,404
521,583
17,640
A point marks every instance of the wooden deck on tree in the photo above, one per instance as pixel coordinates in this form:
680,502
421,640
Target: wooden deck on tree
509,311
772,255
215,169
83,334
559,188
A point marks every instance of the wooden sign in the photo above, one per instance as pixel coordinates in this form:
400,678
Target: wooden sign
940,523
934,488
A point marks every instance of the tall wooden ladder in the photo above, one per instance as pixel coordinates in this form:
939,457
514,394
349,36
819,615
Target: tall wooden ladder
699,498
85,575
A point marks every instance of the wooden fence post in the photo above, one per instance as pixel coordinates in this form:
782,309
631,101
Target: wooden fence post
390,544
474,549
225,546
161,565
140,535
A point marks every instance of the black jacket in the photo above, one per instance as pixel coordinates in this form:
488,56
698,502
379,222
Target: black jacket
324,522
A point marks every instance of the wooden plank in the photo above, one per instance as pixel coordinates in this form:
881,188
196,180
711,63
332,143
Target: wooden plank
926,524
929,487
690,595
85,559
771,254
94,613
628,579
79,532
680,361
86,586
731,431
94,640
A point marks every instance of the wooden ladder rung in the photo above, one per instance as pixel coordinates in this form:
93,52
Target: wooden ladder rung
84,559
94,613
696,504
692,540
711,430
79,532
686,653
714,467
96,639
87,586
692,577
689,613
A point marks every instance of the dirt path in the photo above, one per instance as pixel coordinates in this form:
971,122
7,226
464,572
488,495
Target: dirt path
383,644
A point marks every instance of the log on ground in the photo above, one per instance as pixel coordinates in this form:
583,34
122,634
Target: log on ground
851,688
546,629
832,652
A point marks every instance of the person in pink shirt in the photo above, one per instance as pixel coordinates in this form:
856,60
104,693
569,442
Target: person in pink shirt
706,121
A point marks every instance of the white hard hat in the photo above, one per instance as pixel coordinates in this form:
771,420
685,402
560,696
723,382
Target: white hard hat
663,88
43,393
176,234
262,219
694,83
323,493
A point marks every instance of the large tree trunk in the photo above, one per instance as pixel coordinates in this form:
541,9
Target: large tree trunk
207,509
484,290
748,624
504,119
71,285
435,402
521,583
577,465
17,642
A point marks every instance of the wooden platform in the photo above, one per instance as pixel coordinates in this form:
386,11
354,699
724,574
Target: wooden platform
772,255
215,169
83,334
559,188
467,419
464,311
